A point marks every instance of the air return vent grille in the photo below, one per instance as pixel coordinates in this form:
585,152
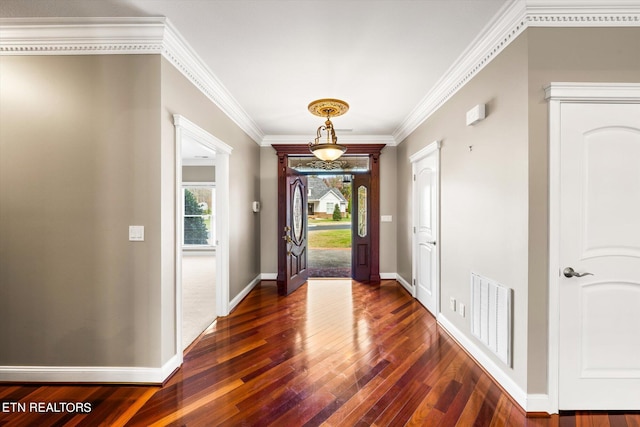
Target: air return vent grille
491,315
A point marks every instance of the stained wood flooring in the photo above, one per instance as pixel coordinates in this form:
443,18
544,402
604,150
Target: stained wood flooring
334,353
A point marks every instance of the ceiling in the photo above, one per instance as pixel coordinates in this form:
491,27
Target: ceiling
275,56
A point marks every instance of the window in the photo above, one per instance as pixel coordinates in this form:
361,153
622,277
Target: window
198,212
330,207
362,211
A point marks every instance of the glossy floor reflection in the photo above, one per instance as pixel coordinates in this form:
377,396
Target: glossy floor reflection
334,352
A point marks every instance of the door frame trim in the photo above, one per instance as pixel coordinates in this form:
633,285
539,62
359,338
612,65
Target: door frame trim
185,129
283,151
433,147
558,93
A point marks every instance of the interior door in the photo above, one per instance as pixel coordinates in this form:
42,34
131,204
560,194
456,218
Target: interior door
425,205
599,295
292,257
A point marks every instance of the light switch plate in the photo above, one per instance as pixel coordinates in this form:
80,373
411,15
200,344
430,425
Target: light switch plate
386,218
136,233
461,309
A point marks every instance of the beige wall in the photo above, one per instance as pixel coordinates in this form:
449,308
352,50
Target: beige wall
561,55
79,163
388,202
179,96
269,210
198,174
484,196
87,148
495,198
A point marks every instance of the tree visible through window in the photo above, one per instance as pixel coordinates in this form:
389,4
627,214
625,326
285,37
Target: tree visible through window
198,217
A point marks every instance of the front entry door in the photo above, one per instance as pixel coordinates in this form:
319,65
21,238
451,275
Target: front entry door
599,256
361,228
292,259
425,217
292,256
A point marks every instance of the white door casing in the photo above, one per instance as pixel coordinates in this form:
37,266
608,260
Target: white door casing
185,129
595,228
425,226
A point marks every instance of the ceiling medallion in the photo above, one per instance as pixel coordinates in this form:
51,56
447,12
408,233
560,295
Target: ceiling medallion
328,150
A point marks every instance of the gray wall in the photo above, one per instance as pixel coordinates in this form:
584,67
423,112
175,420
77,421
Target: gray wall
483,194
87,148
198,174
561,55
179,96
494,199
79,163
269,211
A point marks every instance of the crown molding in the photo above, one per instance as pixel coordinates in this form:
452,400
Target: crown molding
515,17
81,36
177,51
117,36
156,35
269,140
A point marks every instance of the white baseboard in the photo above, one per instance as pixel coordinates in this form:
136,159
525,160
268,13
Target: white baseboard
234,302
519,395
89,374
268,276
539,403
405,284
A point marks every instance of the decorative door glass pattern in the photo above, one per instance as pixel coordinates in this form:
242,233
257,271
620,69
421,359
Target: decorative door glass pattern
297,214
362,211
344,164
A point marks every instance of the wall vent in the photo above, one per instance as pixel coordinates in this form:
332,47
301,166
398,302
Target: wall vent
491,315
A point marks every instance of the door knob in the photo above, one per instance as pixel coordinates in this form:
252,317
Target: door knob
570,272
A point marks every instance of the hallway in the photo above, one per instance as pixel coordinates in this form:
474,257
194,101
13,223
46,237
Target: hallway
335,351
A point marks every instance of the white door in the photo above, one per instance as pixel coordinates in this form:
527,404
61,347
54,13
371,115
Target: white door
425,259
599,323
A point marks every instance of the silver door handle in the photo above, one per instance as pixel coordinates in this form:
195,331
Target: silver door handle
432,242
570,272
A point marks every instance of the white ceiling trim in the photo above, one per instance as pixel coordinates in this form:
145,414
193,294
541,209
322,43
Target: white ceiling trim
81,36
117,36
510,21
342,139
186,60
156,35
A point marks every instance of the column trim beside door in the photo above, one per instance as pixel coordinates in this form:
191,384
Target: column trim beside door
556,94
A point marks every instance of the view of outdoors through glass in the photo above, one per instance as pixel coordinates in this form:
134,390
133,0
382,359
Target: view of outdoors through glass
199,224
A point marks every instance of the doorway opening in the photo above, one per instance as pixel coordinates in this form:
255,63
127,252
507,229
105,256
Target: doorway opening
329,225
198,245
294,166
201,230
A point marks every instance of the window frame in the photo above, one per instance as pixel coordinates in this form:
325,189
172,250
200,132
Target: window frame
212,226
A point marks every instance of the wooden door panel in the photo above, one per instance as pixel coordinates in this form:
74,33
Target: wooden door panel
367,255
292,247
361,229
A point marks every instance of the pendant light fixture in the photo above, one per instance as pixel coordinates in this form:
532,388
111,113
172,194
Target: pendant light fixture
327,149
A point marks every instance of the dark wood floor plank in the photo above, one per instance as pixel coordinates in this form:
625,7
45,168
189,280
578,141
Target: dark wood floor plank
334,353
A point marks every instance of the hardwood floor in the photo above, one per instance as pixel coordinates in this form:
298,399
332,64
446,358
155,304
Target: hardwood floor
335,352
